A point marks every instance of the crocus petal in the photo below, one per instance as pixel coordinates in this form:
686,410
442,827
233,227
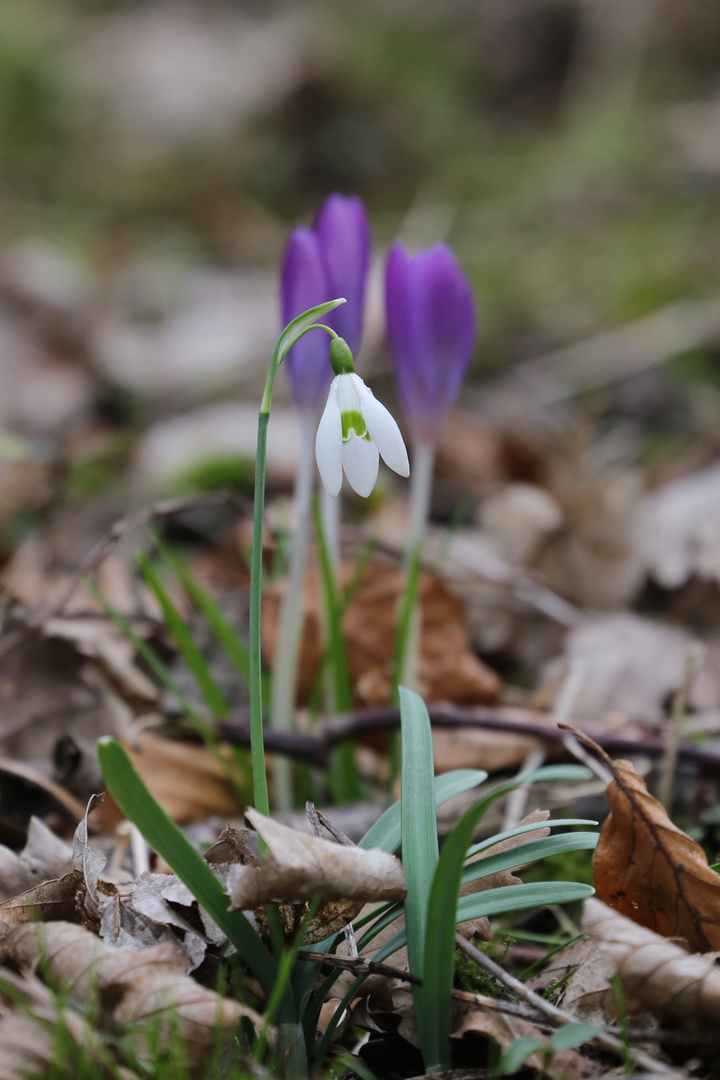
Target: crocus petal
344,240
361,461
304,284
384,431
328,444
431,329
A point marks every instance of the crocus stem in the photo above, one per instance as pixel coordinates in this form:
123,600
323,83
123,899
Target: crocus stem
291,614
408,651
420,491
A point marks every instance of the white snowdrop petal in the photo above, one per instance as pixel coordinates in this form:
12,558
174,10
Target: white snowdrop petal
328,445
360,460
385,433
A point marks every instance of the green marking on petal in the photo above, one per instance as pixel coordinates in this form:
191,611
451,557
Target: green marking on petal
352,420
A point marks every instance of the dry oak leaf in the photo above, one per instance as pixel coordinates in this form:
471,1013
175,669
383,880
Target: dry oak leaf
448,671
651,871
142,986
656,973
298,867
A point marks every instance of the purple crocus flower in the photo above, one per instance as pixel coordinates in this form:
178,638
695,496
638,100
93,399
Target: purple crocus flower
431,326
322,263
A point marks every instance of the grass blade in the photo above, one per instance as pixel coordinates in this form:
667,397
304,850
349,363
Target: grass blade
184,640
232,644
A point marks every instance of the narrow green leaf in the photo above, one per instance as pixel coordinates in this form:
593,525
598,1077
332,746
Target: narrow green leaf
385,833
517,1053
418,827
551,823
232,644
571,1035
184,640
164,837
497,902
530,852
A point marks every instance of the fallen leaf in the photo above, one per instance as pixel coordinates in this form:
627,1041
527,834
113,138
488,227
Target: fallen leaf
631,665
186,779
449,670
44,857
146,985
648,869
656,973
298,867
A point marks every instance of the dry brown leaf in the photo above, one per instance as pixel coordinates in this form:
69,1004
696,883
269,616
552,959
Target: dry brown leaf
656,973
449,670
298,867
583,972
651,871
44,857
147,985
27,1041
186,779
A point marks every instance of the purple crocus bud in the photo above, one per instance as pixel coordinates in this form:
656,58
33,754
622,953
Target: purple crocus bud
431,326
344,235
304,284
322,263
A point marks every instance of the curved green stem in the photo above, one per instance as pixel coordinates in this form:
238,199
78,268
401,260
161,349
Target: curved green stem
290,335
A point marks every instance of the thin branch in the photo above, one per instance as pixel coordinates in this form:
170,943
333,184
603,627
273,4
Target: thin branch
558,1016
315,747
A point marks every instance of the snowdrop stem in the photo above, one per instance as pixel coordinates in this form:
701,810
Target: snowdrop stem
409,620
291,612
257,741
330,513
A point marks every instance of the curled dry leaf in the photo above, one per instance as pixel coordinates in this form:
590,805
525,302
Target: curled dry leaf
45,856
651,871
136,986
298,867
656,973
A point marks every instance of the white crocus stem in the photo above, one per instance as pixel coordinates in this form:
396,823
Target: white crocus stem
291,612
355,431
420,493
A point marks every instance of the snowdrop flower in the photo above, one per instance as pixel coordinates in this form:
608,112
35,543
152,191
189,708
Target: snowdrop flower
355,430
331,259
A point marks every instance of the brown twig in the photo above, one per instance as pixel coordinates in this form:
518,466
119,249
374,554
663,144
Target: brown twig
316,746
558,1017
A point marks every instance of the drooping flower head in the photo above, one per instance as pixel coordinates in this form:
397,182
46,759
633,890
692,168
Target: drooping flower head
430,316
355,430
329,260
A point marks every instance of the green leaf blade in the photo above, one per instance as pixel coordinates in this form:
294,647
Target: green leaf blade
418,827
162,834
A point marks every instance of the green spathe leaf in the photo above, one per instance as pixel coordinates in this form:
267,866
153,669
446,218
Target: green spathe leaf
164,837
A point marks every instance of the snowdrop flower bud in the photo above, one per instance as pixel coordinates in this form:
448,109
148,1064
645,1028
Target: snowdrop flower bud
355,431
331,259
431,327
